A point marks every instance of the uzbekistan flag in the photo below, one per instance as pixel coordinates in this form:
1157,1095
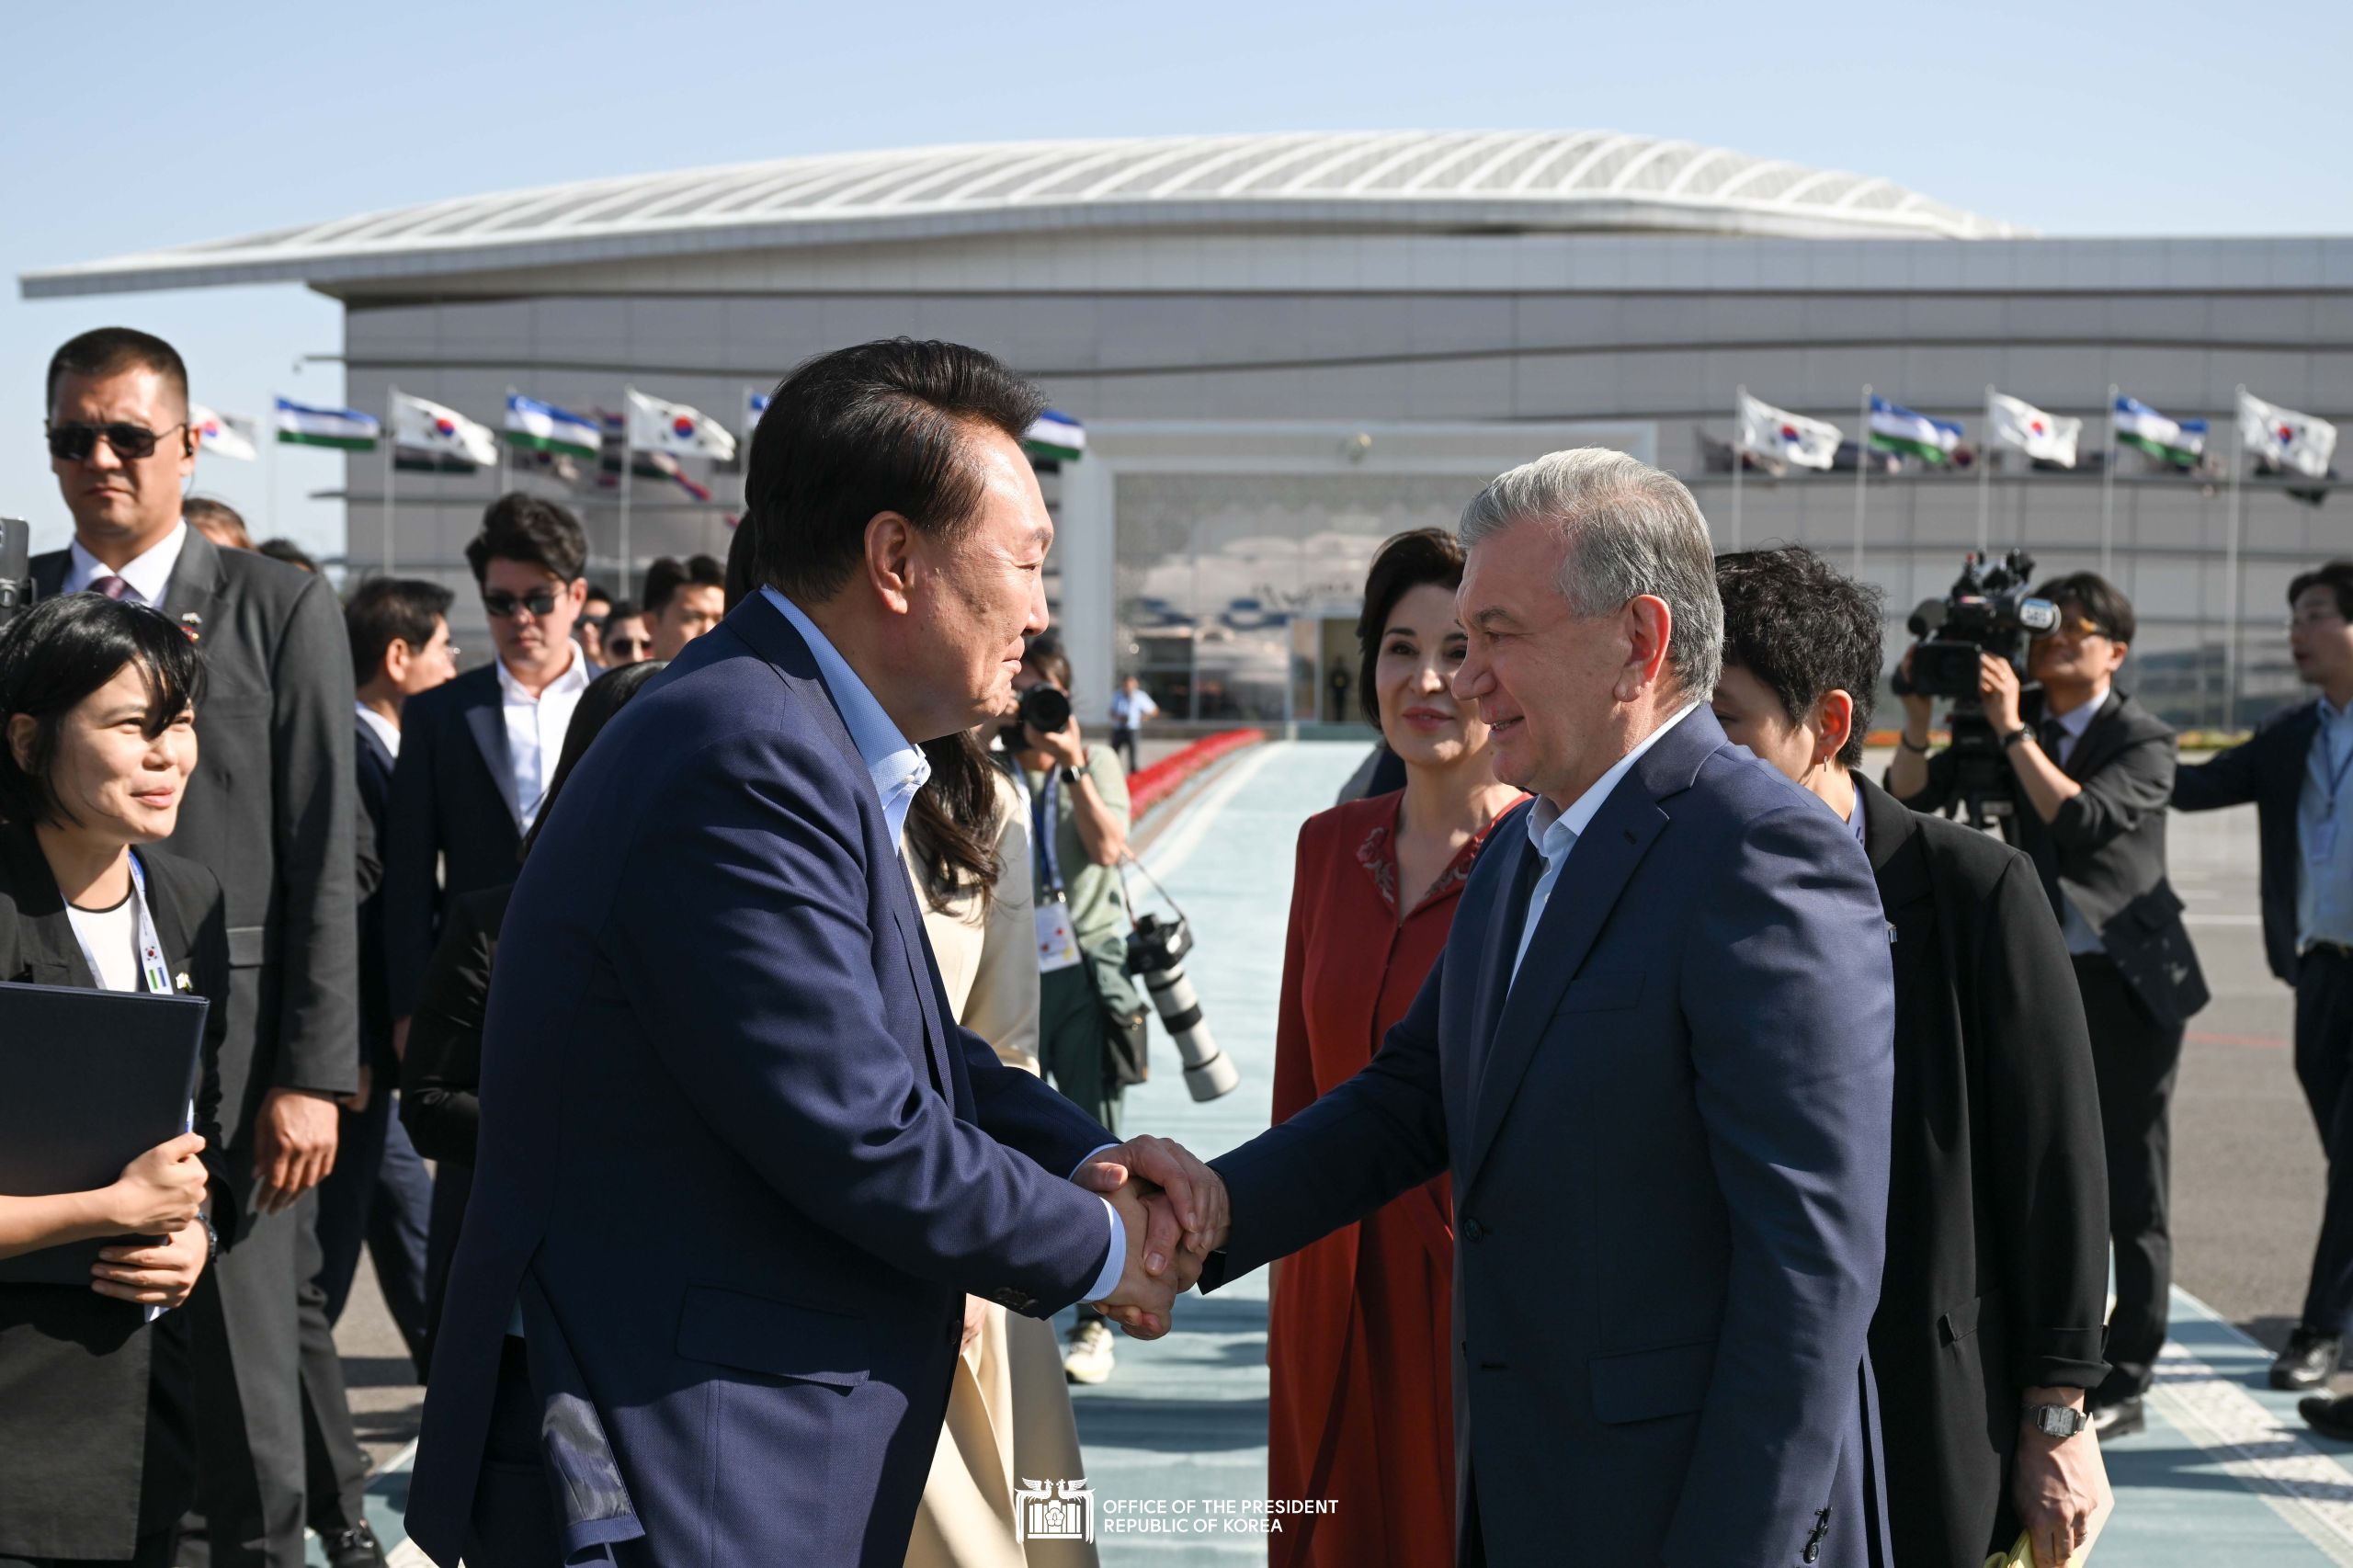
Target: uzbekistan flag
2180,442
2046,437
1898,429
674,428
2283,438
1780,436
1056,436
300,425
755,404
543,427
223,435
441,433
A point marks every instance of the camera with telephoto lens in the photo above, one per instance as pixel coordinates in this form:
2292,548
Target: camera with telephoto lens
1045,708
15,567
1156,949
1989,611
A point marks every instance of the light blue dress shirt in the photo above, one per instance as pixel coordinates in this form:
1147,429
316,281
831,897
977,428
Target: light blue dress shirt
899,770
1554,832
2325,834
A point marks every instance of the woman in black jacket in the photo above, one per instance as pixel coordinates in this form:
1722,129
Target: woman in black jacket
1988,1332
97,1437
441,1071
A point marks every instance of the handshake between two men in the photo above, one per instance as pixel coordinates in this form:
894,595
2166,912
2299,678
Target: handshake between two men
1176,1213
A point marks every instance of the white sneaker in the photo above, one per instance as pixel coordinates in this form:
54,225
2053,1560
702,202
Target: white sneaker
1089,1359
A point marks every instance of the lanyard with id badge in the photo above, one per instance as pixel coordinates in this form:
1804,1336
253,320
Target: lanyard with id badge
2323,848
1057,942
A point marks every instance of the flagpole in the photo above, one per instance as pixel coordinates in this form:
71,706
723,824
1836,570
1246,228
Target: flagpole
2107,492
2231,579
1739,456
392,421
1862,456
628,418
269,480
1986,475
505,445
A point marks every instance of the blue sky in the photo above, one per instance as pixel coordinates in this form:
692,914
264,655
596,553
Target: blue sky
2155,118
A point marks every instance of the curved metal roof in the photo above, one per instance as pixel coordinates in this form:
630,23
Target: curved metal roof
1527,180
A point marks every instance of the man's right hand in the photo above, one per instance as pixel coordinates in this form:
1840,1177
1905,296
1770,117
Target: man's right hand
1144,1302
294,1144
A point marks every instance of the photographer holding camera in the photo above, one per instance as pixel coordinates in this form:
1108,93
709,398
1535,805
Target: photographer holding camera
2090,774
1090,1018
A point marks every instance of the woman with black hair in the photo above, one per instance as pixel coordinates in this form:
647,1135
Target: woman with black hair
98,1459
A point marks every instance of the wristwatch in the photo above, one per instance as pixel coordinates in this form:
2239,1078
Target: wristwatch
2058,1420
212,1239
1070,778
2015,736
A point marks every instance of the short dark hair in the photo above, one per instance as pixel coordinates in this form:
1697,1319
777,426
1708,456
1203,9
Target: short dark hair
1804,628
1403,564
668,575
110,351
624,609
384,610
1046,659
57,653
2103,604
198,511
2336,576
531,529
599,591
739,567
285,549
877,427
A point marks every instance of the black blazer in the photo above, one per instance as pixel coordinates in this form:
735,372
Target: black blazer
1997,1199
2268,770
449,807
2105,852
268,812
79,1371
373,771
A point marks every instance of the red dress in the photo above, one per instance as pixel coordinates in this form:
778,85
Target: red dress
1360,1349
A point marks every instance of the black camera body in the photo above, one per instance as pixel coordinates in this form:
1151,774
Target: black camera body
15,567
1989,611
1157,951
1045,708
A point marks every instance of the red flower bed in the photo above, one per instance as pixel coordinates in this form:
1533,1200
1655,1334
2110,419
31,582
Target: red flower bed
1149,786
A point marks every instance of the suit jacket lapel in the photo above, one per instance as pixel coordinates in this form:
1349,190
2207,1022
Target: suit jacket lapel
1588,888
2099,740
1506,909
177,940
486,721
763,628
1891,838
48,572
53,955
195,586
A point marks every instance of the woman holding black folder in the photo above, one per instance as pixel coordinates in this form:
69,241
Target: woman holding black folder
98,700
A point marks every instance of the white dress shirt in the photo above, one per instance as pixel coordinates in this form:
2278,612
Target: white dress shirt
385,730
2081,938
535,727
1554,832
145,575
899,770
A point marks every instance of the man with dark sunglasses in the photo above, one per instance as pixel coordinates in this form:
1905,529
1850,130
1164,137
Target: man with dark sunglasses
628,639
269,811
477,753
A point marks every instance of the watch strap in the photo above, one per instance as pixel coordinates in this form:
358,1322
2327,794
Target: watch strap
2015,736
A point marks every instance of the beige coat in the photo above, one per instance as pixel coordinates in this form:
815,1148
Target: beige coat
1008,1413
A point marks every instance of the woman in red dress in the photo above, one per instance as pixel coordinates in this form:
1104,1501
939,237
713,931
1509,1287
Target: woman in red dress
1361,1409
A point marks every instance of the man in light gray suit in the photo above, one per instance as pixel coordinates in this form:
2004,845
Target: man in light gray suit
270,812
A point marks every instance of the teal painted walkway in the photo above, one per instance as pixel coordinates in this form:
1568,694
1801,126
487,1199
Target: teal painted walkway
1175,1442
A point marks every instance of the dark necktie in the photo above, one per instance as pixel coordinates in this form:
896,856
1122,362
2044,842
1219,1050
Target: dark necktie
2051,734
107,582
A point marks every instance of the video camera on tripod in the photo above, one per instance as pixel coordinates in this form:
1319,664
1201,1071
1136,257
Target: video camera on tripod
1989,611
15,567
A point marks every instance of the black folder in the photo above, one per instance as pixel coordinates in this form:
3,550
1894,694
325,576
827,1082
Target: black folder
89,1081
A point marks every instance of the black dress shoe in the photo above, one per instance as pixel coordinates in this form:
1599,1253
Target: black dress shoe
2309,1361
2119,1419
2329,1417
354,1547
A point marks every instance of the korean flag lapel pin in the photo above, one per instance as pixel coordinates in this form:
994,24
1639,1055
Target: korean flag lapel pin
193,624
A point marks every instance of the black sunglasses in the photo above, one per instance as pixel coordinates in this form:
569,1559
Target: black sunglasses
501,604
626,644
74,441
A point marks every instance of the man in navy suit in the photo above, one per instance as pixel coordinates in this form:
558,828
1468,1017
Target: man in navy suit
739,1166
1655,1058
2297,770
477,754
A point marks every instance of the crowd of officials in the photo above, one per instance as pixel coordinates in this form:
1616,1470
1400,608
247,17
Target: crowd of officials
346,815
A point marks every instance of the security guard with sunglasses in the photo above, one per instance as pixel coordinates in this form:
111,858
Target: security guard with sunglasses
268,813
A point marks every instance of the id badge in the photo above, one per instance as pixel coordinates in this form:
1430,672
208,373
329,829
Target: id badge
2324,844
1057,943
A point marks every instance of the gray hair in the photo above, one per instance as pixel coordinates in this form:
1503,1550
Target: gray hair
1628,530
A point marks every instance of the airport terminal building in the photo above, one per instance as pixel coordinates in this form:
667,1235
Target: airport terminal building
1284,348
